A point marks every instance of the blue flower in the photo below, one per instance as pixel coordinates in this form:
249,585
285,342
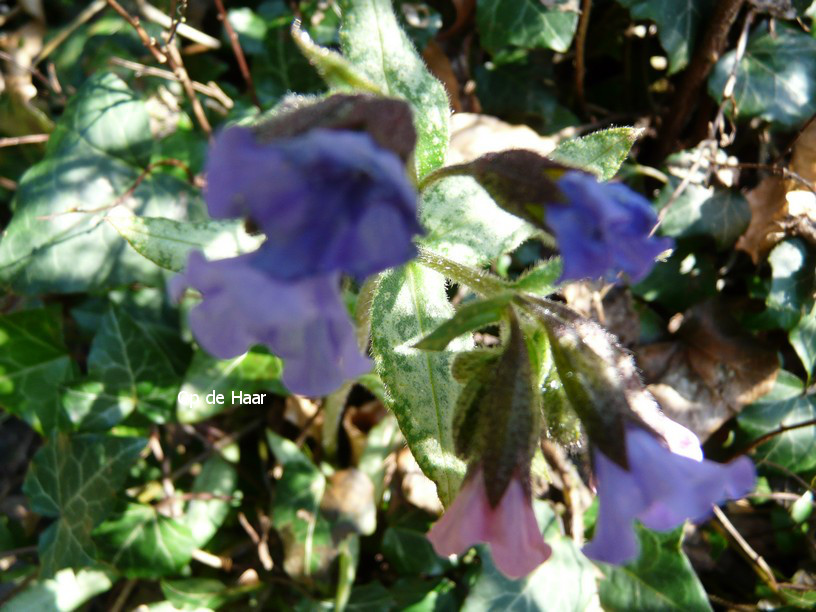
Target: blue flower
664,486
303,321
327,200
603,229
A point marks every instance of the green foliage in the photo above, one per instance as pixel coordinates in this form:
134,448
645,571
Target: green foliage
469,317
99,148
33,364
525,23
661,579
375,44
74,479
679,24
66,591
409,303
601,153
773,78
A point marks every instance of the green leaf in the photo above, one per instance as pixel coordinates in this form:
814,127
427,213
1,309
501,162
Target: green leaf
219,477
792,276
33,364
803,339
528,24
128,357
207,376
540,280
661,579
65,592
305,532
382,440
465,224
92,406
409,551
786,404
376,46
167,242
565,582
704,211
95,156
775,77
141,543
202,593
678,24
411,301
469,317
74,479
518,93
601,152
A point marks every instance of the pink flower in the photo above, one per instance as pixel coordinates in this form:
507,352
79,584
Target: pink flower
511,530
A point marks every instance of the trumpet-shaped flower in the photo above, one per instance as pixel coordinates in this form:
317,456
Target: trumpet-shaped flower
510,529
662,488
303,321
603,229
327,200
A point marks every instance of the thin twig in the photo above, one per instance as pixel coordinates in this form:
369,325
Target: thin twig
180,71
15,552
7,183
147,41
239,53
759,564
22,140
211,91
771,434
177,15
580,54
36,73
86,15
123,595
151,13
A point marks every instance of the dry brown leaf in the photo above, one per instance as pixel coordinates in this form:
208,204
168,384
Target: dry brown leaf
712,370
417,488
771,218
440,66
465,11
358,421
349,502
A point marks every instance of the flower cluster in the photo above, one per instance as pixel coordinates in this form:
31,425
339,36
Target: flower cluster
667,482
330,202
603,229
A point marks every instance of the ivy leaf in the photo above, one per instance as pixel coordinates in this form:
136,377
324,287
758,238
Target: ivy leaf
790,297
251,372
66,591
99,149
376,46
466,225
662,578
167,242
544,589
803,339
305,532
204,516
410,302
601,152
34,362
128,357
774,78
529,24
141,543
786,404
705,211
74,479
678,23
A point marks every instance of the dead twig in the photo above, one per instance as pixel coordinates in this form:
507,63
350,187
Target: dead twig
580,54
147,40
760,566
180,71
772,434
239,53
22,140
88,13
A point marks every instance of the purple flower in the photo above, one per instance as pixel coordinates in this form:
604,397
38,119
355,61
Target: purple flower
304,321
327,200
603,229
511,530
662,488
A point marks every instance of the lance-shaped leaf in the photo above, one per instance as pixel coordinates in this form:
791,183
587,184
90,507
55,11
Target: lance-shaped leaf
332,67
74,479
375,44
503,421
167,242
410,302
599,377
387,120
469,317
522,182
601,152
